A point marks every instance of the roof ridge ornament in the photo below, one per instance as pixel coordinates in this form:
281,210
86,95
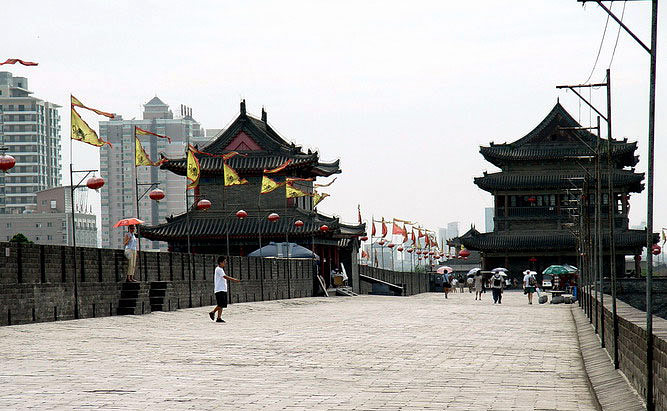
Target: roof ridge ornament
243,112
264,116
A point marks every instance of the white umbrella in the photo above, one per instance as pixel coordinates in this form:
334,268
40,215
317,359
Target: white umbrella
499,269
473,271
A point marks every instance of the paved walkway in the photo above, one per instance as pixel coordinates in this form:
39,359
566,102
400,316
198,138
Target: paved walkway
341,353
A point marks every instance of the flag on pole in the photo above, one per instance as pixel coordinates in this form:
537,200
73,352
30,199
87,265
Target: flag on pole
396,229
269,185
359,212
419,233
293,192
14,61
664,237
193,169
414,240
384,228
231,177
81,131
373,232
364,254
327,184
405,234
141,132
140,156
279,168
317,197
77,103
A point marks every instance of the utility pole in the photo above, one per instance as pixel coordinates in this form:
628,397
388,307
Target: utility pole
652,50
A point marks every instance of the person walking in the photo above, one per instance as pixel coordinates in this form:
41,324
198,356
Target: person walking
220,289
130,243
497,285
478,285
447,283
529,284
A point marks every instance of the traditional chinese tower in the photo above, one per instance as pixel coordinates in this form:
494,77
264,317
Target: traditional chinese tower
536,195
262,148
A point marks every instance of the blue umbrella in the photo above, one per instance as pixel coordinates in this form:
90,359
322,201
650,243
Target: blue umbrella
281,250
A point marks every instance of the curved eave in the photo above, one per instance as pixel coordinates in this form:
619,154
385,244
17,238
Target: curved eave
504,181
211,166
546,241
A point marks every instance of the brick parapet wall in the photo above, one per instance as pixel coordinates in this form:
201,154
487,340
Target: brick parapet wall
412,283
37,281
632,348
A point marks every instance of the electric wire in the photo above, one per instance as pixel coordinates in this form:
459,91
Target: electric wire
613,53
604,33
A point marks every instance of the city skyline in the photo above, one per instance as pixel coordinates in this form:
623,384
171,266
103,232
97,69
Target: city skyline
369,92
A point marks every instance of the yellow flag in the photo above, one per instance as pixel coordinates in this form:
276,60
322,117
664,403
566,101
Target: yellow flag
75,102
269,185
140,156
317,197
292,192
232,178
81,131
192,170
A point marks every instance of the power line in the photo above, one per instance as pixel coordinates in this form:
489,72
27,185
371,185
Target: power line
617,35
604,33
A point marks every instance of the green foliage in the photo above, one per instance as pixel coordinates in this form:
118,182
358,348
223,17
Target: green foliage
20,238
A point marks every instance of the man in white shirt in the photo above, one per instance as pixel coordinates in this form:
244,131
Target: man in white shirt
220,289
529,285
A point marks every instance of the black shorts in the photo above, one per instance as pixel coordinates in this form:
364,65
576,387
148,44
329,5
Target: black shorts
221,299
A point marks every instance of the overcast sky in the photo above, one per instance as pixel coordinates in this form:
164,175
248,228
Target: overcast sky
404,93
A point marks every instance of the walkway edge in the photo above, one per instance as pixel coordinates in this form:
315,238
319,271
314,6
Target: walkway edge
609,387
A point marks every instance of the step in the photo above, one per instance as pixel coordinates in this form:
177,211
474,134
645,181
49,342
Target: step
127,303
157,307
132,286
129,294
159,285
157,293
125,310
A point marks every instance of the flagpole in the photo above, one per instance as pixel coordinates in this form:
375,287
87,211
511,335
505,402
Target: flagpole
71,185
136,193
372,256
187,217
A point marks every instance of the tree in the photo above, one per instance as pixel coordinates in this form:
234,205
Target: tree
20,238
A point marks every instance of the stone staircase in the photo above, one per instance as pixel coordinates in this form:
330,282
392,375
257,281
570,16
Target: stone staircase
129,295
156,295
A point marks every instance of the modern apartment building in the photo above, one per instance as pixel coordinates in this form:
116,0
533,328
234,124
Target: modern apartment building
117,168
30,129
50,220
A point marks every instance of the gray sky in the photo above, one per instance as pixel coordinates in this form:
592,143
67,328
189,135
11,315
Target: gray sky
403,92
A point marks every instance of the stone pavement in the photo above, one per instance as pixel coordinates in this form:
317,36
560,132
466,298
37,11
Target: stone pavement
340,353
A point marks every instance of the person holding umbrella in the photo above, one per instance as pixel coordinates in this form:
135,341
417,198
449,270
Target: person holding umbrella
130,243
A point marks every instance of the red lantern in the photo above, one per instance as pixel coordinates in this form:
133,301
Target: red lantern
381,242
156,194
95,183
391,245
273,217
7,162
400,248
532,199
203,204
420,257
465,258
324,228
241,214
364,238
298,223
464,253
447,256
532,259
410,250
656,249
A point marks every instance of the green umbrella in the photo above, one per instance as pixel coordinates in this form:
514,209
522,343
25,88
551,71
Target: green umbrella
559,269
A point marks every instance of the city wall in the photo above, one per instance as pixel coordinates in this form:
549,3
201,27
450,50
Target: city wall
632,348
37,281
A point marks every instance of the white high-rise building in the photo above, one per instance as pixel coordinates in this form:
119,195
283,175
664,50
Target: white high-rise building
30,129
453,229
117,168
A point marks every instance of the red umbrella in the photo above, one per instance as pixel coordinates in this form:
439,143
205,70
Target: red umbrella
128,221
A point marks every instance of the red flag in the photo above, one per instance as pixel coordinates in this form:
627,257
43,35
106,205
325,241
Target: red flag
396,229
414,240
14,61
384,228
279,168
405,234
419,231
364,254
427,242
373,231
